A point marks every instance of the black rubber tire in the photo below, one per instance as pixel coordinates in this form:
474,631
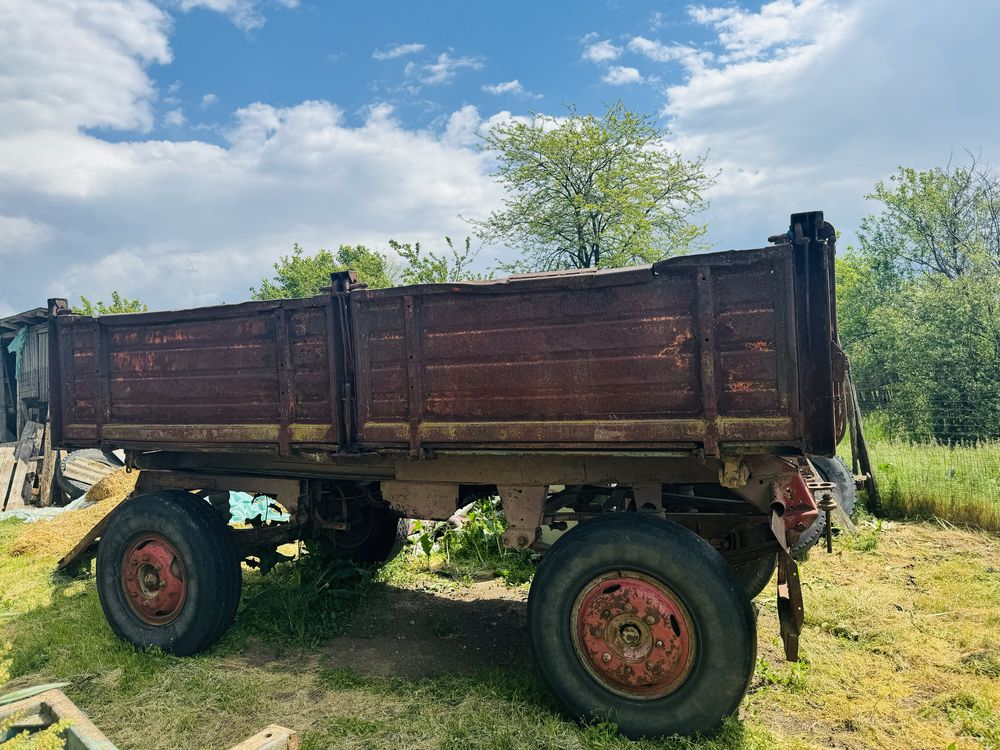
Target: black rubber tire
205,545
377,535
722,616
846,494
76,489
756,574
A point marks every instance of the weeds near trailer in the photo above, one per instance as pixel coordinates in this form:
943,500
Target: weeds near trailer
791,676
474,549
867,537
305,601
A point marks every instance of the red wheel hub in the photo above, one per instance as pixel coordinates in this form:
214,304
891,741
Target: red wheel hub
154,580
633,635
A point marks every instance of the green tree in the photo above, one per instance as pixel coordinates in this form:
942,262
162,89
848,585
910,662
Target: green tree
301,275
118,304
919,303
430,268
944,220
586,191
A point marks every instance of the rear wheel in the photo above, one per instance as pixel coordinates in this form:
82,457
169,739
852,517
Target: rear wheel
639,620
756,574
167,572
375,535
845,493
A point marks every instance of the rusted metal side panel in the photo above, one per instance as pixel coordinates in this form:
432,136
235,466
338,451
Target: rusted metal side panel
259,374
719,352
680,354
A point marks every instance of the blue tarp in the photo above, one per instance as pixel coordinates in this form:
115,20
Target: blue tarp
244,506
15,347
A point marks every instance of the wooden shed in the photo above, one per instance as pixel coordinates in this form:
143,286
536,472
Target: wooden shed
24,394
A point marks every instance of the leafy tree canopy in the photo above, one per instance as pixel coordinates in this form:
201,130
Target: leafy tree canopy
119,304
919,304
300,275
586,191
430,268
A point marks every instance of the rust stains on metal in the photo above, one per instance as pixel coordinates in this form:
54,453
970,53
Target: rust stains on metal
707,349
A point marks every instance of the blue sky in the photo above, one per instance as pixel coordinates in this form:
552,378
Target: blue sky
326,51
173,149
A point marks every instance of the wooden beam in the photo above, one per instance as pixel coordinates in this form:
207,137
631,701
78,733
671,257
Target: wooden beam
27,446
49,460
7,464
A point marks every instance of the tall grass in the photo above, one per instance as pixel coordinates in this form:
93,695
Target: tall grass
957,483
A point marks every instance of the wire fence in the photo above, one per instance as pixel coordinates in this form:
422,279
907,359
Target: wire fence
934,455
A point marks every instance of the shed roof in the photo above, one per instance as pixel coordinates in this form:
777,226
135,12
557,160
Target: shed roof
14,323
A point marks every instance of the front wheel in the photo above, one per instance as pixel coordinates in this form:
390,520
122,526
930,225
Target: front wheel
167,572
638,620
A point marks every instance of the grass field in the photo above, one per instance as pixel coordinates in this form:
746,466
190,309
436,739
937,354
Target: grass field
960,484
900,651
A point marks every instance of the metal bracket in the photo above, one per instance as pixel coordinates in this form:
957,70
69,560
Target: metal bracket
523,506
435,501
790,611
734,473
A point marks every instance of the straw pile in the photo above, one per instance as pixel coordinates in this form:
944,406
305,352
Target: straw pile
58,536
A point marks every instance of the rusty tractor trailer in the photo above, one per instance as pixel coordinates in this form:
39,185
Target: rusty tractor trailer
674,415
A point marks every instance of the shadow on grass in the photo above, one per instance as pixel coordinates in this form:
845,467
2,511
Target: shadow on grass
365,664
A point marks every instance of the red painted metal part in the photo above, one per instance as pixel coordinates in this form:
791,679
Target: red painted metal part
794,503
633,635
153,579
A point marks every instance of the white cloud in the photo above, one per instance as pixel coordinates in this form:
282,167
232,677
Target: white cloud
79,64
807,104
183,223
442,70
691,58
244,14
620,75
462,126
174,118
21,234
208,100
600,52
398,50
510,88
778,25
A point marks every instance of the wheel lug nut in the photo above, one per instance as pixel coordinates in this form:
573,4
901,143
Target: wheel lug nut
628,670
650,619
659,644
606,614
628,607
606,658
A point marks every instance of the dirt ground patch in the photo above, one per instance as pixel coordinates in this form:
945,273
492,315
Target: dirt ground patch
418,633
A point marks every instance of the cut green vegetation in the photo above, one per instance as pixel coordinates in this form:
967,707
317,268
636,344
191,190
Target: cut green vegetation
899,651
